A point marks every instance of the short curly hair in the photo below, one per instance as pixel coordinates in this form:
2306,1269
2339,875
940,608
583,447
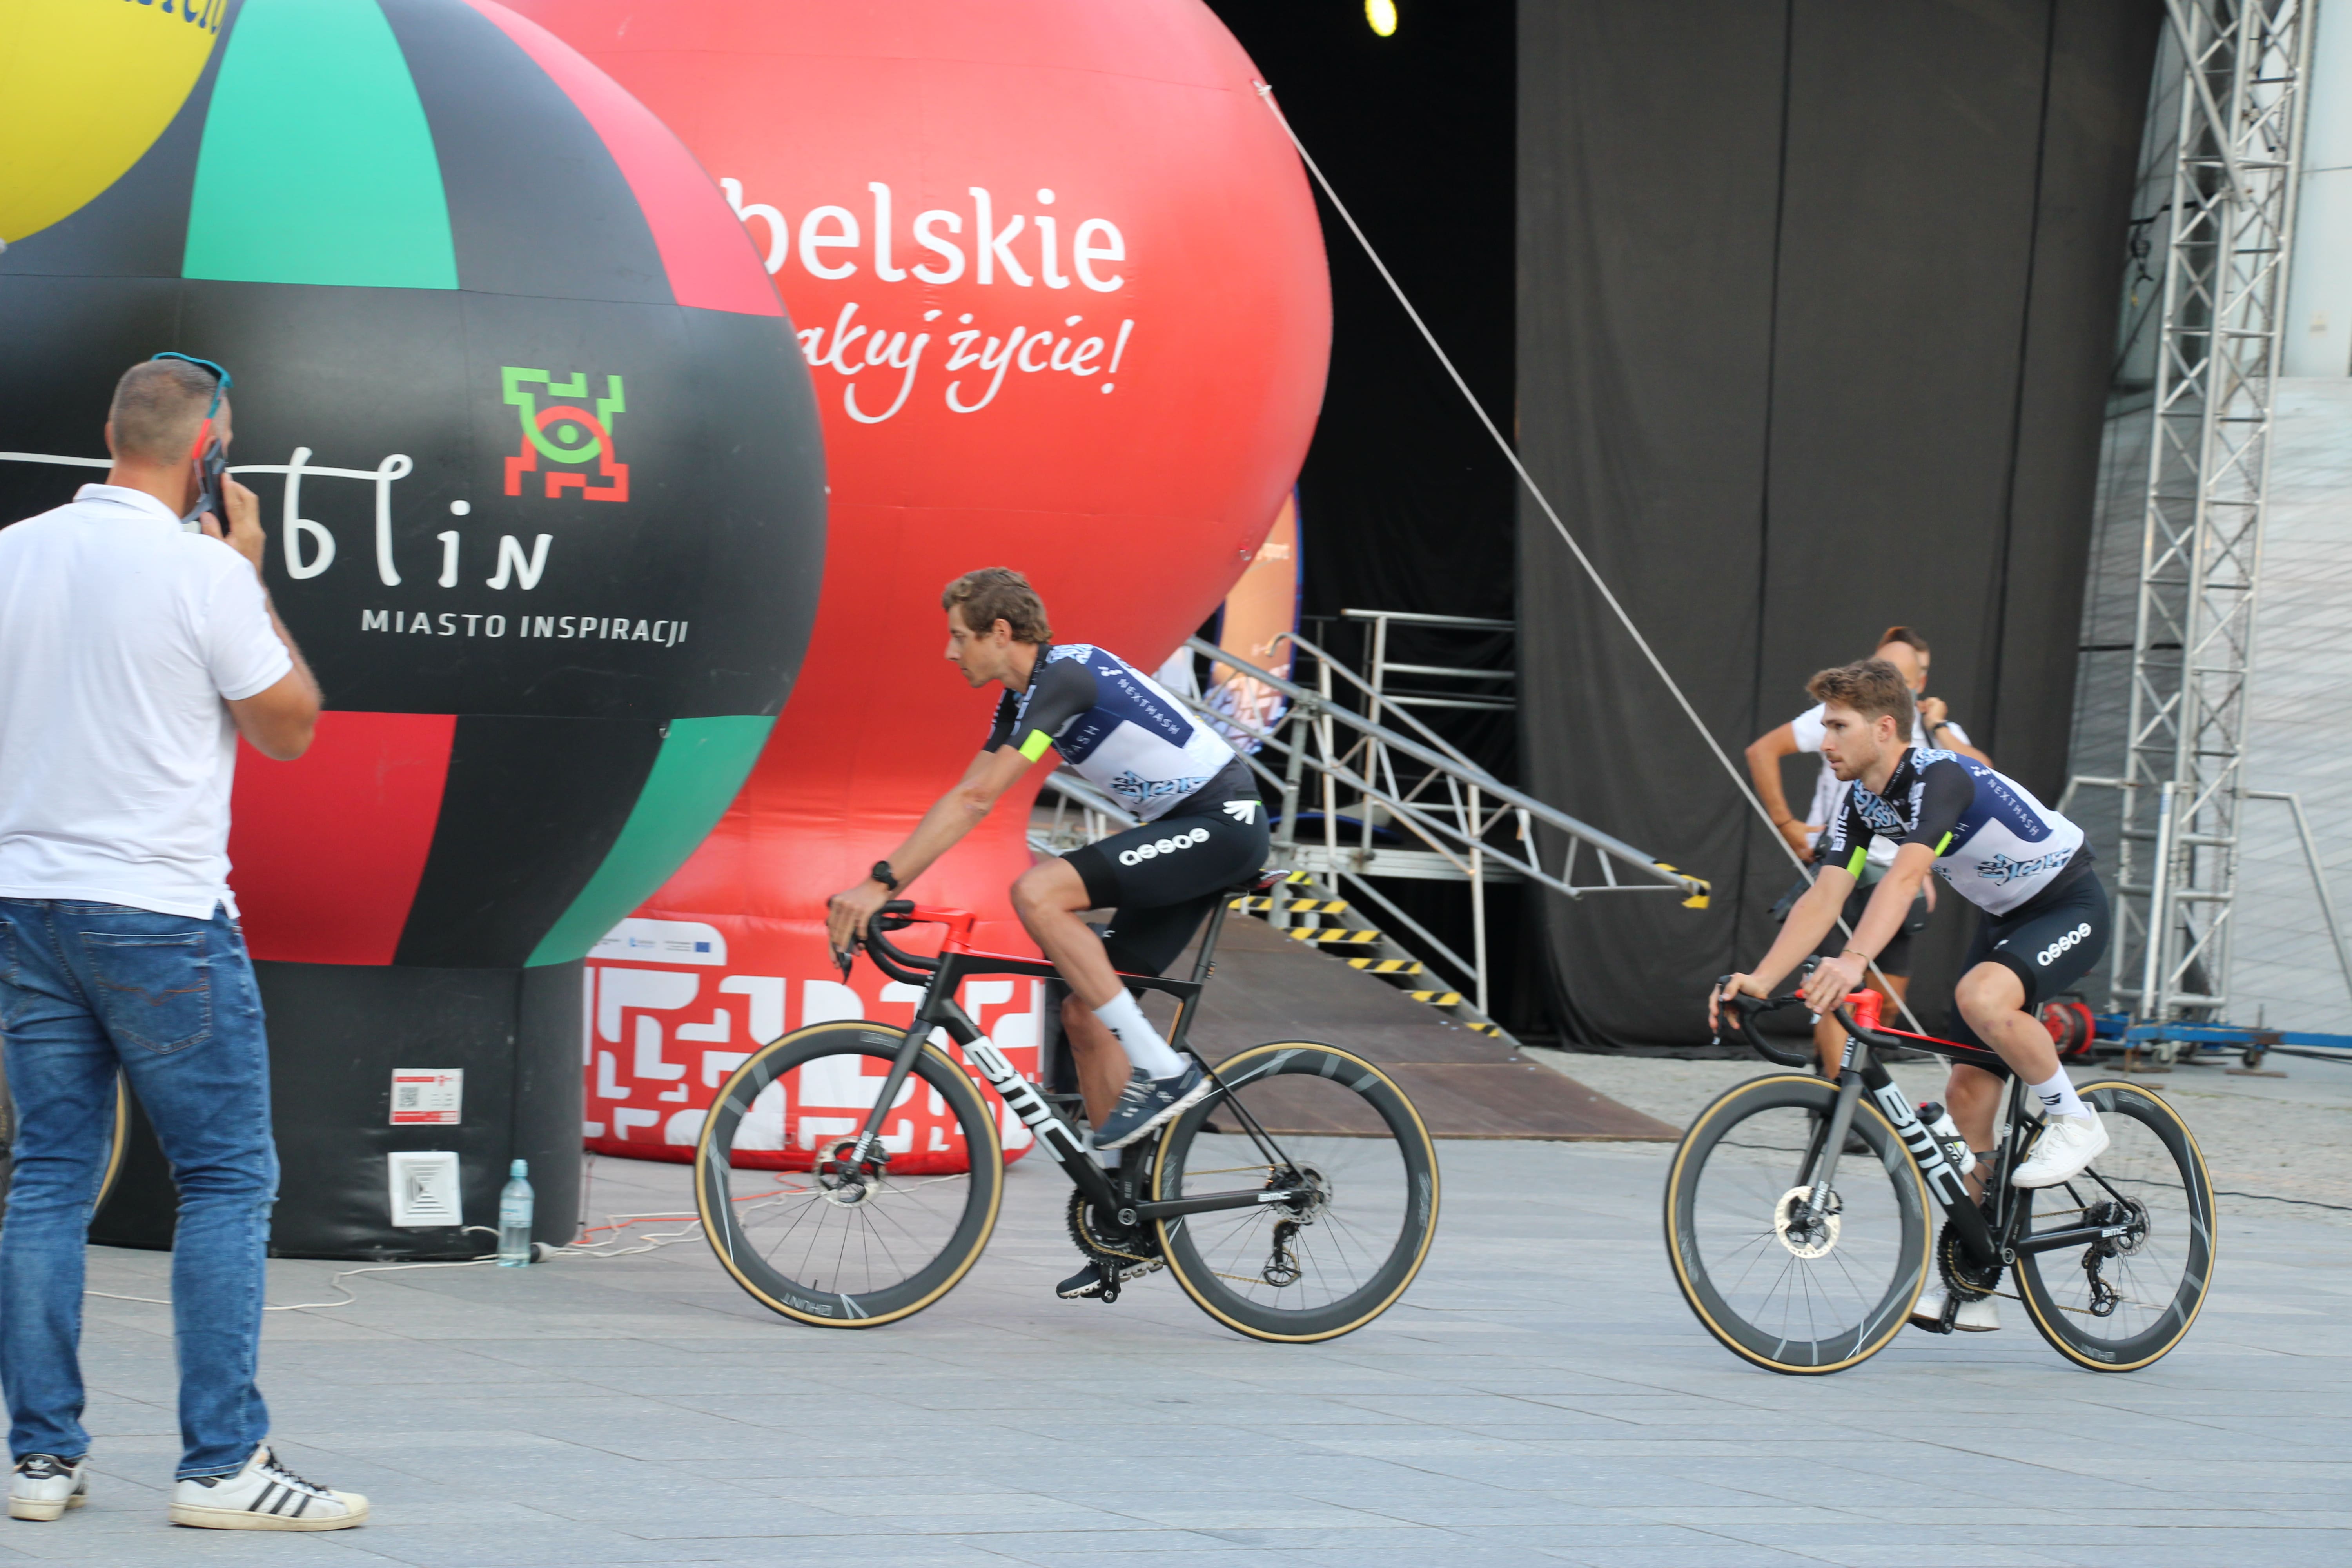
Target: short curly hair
1871,688
996,593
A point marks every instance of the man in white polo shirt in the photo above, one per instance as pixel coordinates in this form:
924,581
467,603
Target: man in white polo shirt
136,644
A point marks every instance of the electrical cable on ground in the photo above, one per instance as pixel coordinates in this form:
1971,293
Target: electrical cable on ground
1265,95
648,1242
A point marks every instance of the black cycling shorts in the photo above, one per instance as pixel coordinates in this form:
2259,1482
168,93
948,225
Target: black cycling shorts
1163,876
2052,941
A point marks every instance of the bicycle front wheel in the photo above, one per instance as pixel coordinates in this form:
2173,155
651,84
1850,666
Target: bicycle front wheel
818,1235
1292,1116
2117,1304
1789,1292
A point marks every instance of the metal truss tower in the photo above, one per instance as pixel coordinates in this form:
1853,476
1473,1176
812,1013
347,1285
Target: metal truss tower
2244,64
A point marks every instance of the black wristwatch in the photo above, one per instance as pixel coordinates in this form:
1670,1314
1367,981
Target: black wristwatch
883,874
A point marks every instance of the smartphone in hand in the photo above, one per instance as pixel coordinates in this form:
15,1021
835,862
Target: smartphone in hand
208,498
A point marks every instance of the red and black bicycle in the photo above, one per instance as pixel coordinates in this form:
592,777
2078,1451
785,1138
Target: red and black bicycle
1804,1257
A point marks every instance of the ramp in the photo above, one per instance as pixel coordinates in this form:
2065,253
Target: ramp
1465,1085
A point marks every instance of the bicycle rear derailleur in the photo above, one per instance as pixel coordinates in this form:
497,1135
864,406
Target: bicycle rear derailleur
2133,1216
1124,1254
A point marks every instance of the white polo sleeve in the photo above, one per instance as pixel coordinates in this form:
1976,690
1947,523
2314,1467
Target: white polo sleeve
242,650
1806,728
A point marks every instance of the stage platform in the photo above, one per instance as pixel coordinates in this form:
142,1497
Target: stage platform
1465,1085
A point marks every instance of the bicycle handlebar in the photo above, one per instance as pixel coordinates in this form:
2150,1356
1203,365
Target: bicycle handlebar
906,968
1737,1016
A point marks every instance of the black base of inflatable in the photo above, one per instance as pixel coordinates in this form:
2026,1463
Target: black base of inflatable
337,1033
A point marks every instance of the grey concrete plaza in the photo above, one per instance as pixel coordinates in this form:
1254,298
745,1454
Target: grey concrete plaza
1541,1395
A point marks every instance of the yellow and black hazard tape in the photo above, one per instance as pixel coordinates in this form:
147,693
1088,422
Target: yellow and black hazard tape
1698,887
1331,934
1253,905
1386,965
1437,998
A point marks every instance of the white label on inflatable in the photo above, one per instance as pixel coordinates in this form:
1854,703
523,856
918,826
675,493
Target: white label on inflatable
428,1097
641,941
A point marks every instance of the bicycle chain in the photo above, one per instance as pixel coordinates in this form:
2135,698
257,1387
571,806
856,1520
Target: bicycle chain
1118,1266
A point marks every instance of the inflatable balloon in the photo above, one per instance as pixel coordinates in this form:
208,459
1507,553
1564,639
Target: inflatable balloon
1061,286
84,91
539,460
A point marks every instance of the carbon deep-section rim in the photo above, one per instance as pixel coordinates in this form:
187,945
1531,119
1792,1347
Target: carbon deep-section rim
835,1247
1794,1301
2161,1276
1294,1273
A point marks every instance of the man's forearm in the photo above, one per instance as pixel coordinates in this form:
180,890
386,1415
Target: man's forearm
1764,773
1806,924
1890,902
943,827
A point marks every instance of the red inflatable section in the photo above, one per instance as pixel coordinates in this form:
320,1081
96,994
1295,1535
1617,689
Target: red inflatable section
1062,283
363,802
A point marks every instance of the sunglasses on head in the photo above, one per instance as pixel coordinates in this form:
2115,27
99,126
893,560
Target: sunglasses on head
206,450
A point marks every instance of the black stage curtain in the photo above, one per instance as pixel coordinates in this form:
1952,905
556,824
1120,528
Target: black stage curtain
1815,305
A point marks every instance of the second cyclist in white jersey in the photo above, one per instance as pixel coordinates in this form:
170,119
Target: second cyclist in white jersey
2025,866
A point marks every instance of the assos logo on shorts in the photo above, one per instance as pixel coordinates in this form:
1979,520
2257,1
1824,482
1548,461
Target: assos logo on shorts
2080,933
1152,851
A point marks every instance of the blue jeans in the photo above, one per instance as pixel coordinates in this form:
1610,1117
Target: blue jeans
87,988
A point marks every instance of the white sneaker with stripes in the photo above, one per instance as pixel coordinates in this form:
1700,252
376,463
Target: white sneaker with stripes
264,1495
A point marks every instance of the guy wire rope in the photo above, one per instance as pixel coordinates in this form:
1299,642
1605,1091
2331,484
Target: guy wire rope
1265,95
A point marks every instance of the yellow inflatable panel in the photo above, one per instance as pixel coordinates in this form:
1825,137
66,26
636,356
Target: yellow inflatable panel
86,86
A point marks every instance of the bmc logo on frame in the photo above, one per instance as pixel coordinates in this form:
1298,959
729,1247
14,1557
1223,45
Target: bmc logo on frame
1152,851
2049,954
565,433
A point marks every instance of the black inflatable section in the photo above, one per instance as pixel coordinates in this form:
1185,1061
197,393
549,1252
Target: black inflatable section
1815,307
337,1033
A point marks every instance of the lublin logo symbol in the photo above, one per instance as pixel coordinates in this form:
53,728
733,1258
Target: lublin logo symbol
565,432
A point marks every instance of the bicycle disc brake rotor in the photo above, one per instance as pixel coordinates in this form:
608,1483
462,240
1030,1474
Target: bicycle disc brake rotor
846,1181
1806,1236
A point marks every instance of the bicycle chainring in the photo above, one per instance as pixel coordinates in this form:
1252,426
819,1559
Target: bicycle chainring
1963,1279
1123,1256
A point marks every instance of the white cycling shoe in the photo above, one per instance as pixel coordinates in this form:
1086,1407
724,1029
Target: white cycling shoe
2067,1144
1981,1316
264,1495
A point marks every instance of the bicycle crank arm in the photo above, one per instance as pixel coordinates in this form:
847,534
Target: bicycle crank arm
1209,1201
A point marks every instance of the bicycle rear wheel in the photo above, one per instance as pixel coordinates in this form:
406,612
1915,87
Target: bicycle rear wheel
2119,1303
1794,1297
825,1240
1297,1272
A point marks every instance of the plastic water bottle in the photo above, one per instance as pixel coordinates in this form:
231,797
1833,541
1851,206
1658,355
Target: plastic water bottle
514,1217
1946,1131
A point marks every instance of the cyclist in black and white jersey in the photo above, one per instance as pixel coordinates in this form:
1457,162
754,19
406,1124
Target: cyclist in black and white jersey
1203,830
2026,867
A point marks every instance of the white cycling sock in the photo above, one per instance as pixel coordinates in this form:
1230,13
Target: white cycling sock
1137,1038
2058,1097
1108,1158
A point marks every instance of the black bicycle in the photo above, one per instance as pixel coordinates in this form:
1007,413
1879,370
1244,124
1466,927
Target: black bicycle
1294,1202
1797,1270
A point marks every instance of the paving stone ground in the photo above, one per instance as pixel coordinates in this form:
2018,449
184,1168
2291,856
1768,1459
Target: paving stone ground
1541,1395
